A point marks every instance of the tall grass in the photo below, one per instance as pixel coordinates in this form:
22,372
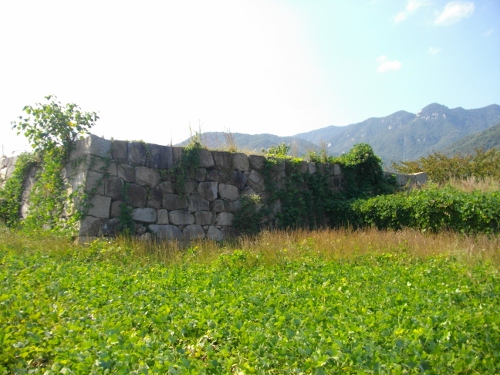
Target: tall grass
268,247
470,184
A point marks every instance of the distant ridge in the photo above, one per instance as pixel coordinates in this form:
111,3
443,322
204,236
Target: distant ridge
401,136
253,143
486,140
406,136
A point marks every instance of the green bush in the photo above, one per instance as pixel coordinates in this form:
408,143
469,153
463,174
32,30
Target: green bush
440,168
431,209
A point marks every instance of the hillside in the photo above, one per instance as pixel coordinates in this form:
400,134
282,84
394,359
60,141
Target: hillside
254,143
406,136
397,137
487,139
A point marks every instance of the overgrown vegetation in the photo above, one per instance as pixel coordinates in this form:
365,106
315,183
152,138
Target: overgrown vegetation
188,163
431,209
315,302
51,129
310,200
11,192
440,168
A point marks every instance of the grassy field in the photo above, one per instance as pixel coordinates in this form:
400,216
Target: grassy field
320,302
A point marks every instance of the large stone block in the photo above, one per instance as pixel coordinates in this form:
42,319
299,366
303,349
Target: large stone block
100,207
224,219
160,157
180,217
116,208
419,178
214,234
189,186
162,217
193,232
204,218
311,167
155,199
177,154
136,154
223,160
336,170
167,232
303,167
256,161
206,159
166,187
248,191
214,175
126,172
89,227
201,174
208,190
238,179
197,203
101,165
279,165
256,182
119,151
229,192
137,195
145,215
219,205
93,145
234,206
94,183
174,202
113,187
148,177
111,227
240,162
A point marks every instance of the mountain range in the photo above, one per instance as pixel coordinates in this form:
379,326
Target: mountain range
401,136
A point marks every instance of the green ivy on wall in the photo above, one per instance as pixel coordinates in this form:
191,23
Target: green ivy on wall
12,190
52,130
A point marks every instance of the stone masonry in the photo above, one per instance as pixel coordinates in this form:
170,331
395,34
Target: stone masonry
115,174
203,209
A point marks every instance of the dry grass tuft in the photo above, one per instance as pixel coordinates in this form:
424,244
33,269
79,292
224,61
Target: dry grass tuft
270,247
486,185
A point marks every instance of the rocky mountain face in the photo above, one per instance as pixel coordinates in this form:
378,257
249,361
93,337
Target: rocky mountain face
406,136
398,137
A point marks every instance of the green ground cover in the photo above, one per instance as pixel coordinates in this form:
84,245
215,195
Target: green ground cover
92,311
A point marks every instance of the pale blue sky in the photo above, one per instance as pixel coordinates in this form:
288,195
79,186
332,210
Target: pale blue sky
153,69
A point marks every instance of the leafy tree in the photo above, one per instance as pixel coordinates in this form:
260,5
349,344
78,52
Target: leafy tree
280,151
51,125
441,168
363,173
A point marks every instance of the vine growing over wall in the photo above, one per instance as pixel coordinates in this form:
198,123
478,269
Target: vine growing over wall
12,190
188,163
52,130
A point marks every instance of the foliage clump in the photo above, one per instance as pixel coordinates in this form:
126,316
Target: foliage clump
12,190
52,126
249,216
52,130
363,173
280,151
440,168
100,309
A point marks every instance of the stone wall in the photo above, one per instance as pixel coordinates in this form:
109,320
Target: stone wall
114,173
117,174
7,166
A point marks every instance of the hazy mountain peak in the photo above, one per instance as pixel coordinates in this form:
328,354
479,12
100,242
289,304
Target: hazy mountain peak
433,109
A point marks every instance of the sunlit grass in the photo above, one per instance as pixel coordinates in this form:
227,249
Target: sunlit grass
268,247
486,185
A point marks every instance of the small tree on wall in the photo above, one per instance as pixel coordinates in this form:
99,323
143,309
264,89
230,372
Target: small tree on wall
52,129
51,125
